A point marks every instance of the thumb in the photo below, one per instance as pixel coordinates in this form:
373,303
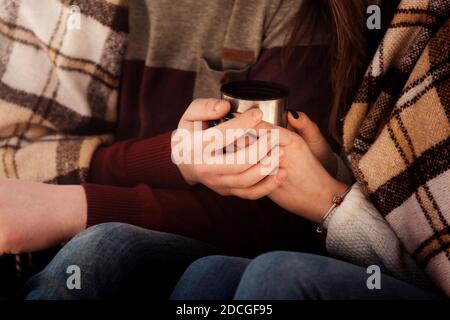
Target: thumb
206,109
305,127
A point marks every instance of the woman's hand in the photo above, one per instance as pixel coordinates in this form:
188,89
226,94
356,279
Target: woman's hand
316,142
240,179
37,216
307,188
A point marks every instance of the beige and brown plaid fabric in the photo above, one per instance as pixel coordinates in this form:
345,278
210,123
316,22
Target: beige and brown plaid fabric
58,85
397,133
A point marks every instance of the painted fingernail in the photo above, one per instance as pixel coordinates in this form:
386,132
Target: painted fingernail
229,116
294,114
213,123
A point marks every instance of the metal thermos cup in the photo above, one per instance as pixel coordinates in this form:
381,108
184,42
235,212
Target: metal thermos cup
270,97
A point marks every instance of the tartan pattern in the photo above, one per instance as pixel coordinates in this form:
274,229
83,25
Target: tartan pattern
397,133
58,86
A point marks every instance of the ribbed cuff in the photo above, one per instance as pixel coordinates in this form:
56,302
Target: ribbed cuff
150,160
113,204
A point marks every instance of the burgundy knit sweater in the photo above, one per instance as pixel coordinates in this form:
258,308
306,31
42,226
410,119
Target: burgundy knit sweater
178,53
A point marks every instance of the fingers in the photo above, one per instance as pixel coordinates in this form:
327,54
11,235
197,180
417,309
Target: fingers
237,162
282,135
305,127
316,142
261,189
251,176
246,179
206,109
235,128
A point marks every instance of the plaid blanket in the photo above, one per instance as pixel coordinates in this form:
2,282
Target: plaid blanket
397,133
60,65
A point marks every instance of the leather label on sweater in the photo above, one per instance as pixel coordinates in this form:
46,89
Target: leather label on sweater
241,56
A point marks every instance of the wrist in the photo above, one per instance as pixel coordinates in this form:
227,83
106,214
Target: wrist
335,188
75,215
186,174
184,169
336,202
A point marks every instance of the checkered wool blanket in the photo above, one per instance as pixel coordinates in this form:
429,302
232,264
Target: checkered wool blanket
60,63
397,133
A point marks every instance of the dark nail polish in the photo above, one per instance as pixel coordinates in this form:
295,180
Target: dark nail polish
214,123
229,116
294,114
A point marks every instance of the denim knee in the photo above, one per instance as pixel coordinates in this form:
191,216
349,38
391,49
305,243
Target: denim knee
281,275
103,238
118,260
114,232
210,278
216,266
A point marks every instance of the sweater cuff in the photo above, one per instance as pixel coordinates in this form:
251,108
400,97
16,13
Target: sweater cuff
351,204
150,160
114,204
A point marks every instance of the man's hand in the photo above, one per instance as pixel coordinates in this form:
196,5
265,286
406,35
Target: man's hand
238,179
37,216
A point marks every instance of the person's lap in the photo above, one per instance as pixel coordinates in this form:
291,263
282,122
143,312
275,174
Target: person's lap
118,261
286,275
123,261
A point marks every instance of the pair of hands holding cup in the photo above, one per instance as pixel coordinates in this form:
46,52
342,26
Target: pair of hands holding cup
304,183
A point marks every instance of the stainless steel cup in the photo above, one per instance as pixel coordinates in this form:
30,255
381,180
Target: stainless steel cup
270,97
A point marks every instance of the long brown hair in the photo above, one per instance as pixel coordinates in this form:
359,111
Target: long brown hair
343,23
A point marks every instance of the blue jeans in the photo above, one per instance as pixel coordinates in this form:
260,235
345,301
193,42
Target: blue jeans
118,261
286,276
